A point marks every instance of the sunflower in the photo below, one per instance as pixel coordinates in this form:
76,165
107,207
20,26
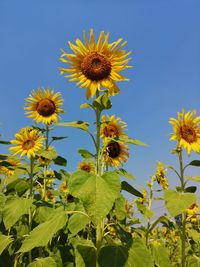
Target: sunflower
50,197
96,64
112,127
64,187
115,153
87,165
28,141
160,175
44,106
10,170
187,131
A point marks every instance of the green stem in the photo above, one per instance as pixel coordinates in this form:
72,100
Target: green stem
183,233
31,195
45,167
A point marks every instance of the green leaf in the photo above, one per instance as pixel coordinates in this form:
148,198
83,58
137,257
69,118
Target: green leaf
3,157
21,187
102,102
43,233
119,210
5,142
85,153
127,187
139,255
56,138
115,256
60,161
193,178
193,261
43,262
124,173
177,203
97,193
195,163
75,124
85,256
86,105
158,220
5,240
191,189
49,154
132,141
160,254
14,208
147,213
194,235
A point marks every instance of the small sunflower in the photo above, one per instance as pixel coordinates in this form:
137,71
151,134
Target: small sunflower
192,209
96,64
116,153
28,141
44,106
187,131
64,187
87,165
9,171
50,197
112,127
160,175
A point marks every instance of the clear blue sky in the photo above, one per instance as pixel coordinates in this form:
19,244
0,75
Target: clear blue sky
164,37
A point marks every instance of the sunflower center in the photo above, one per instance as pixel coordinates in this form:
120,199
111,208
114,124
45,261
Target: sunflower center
28,144
95,66
111,131
188,133
86,168
113,149
46,107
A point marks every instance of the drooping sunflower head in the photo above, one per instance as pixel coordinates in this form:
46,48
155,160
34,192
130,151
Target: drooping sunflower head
44,106
116,152
191,213
50,197
187,131
27,142
64,187
87,165
96,64
112,127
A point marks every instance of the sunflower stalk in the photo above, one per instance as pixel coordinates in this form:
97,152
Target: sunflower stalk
46,164
183,233
31,195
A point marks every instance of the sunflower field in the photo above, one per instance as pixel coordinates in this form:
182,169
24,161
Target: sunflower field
50,217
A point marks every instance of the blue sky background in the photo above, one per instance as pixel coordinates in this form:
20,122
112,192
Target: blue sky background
165,39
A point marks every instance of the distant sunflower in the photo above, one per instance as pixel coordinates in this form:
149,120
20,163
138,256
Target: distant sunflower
64,187
28,141
160,176
187,131
87,165
44,106
112,127
96,64
116,153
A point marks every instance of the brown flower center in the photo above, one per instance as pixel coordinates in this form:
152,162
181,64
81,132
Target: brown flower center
113,149
111,131
95,66
28,144
188,133
46,107
86,168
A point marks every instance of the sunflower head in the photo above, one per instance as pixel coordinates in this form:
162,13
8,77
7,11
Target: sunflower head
44,106
95,64
187,131
116,152
50,197
160,175
112,127
87,166
27,142
10,170
64,187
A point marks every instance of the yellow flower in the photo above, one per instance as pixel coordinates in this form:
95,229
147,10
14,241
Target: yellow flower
112,127
87,165
64,187
96,64
49,197
192,218
192,209
187,131
116,153
8,171
44,106
160,175
28,141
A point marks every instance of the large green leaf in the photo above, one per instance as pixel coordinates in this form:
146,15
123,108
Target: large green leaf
115,256
43,262
193,261
14,208
120,205
97,193
127,187
85,256
5,240
43,233
160,254
177,203
139,255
